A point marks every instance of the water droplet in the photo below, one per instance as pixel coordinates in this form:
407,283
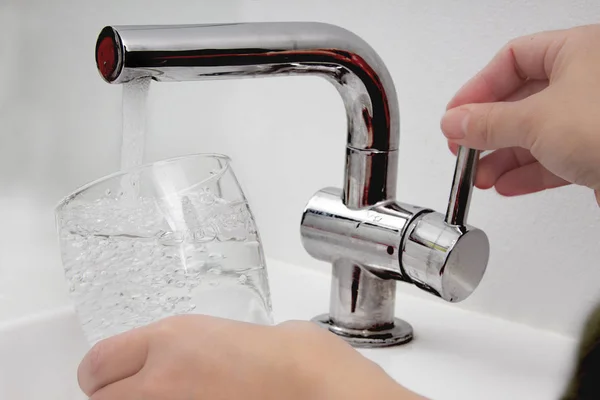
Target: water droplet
88,276
206,197
204,235
192,284
215,271
171,238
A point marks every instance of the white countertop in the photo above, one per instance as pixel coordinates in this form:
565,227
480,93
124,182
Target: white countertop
455,354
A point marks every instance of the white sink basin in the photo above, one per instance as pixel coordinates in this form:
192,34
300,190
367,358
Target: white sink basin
455,354
39,357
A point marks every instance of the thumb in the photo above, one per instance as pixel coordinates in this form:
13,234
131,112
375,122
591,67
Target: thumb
490,126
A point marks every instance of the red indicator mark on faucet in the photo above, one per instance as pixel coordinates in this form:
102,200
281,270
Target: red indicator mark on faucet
106,57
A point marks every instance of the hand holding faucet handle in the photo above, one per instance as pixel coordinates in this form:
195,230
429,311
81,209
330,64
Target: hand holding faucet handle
536,105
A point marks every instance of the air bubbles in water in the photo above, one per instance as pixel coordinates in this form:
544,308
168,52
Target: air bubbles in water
124,269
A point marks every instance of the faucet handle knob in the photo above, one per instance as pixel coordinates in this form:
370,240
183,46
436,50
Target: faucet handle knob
462,186
441,253
446,260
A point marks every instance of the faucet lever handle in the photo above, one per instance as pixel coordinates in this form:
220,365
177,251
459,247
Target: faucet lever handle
441,253
462,186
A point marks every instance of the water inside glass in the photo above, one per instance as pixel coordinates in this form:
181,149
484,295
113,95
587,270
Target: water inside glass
184,242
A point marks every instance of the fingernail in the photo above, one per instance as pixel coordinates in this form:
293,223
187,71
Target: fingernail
454,123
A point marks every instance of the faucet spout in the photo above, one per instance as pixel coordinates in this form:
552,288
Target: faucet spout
219,51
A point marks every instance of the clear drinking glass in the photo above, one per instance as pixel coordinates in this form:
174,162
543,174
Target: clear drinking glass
172,237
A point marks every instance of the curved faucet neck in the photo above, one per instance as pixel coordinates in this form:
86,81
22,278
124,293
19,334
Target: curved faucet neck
220,51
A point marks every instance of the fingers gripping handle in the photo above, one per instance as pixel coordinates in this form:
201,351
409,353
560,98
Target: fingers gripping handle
462,186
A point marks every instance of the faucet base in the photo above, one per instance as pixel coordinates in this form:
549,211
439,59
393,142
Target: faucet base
400,333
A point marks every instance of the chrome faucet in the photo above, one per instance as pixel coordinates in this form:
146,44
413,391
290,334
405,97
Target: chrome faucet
371,239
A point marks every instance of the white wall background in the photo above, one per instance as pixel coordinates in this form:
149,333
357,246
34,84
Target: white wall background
60,128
